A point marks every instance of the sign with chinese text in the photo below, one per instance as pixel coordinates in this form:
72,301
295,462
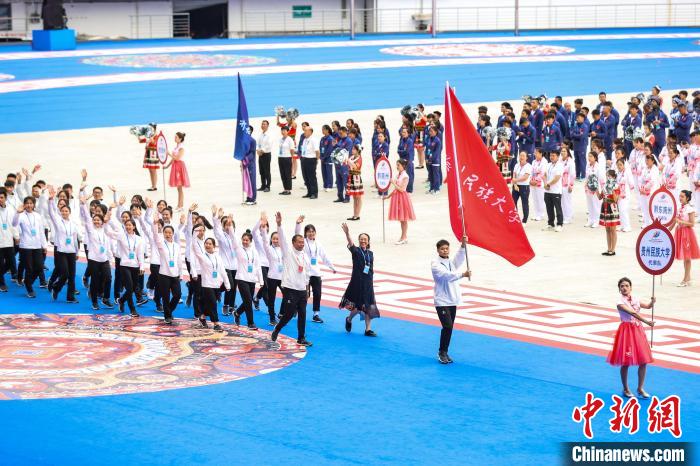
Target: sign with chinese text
162,148
655,249
382,173
662,206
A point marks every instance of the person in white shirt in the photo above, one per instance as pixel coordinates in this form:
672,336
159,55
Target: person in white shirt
317,255
593,185
648,183
275,271
552,192
539,168
171,267
264,151
672,172
309,162
295,279
8,235
67,237
521,184
248,275
32,242
132,263
284,161
446,293
259,227
213,275
98,255
624,182
567,185
222,225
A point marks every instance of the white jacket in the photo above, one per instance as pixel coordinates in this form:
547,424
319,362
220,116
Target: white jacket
446,275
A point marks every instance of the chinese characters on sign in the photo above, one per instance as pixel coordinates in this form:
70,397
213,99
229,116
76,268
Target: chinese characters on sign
661,415
655,249
162,148
382,174
662,206
486,193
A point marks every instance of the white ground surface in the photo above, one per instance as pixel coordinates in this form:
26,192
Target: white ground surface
567,266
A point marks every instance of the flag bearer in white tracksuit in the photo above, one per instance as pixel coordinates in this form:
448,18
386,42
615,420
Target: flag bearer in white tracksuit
447,294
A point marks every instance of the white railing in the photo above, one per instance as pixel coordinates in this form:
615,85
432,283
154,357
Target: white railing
160,26
13,27
483,18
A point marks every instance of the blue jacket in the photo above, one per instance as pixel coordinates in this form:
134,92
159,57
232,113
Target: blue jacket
379,150
659,130
563,123
405,149
526,141
683,125
537,121
325,147
551,138
579,136
629,120
610,129
598,127
387,139
433,150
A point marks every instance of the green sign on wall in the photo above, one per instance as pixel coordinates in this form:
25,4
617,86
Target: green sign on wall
301,11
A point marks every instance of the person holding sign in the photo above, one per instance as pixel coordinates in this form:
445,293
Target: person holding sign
447,295
686,242
401,207
179,178
359,295
648,183
150,156
609,214
631,347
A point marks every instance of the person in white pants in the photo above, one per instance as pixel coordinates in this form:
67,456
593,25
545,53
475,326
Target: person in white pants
592,182
539,168
623,205
568,177
648,183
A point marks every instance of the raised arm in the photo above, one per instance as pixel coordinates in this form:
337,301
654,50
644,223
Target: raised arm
346,230
280,232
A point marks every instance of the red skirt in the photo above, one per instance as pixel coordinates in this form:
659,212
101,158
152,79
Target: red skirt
631,347
686,243
178,175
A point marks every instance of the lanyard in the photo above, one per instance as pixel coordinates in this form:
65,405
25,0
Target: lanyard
128,244
448,266
170,253
100,238
7,217
365,257
29,219
300,264
66,227
248,257
277,253
214,263
311,253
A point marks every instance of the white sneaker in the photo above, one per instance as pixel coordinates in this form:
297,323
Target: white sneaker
567,222
557,228
595,225
536,219
548,228
150,294
587,225
626,230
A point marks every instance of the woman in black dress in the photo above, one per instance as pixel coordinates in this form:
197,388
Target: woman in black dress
359,296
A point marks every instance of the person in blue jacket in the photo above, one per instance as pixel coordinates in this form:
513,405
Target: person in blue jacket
560,118
433,153
579,137
658,122
598,128
684,122
526,139
630,123
405,151
551,136
610,123
325,147
341,170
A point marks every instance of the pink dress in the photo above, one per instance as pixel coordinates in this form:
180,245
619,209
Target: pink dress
401,207
178,172
631,347
686,242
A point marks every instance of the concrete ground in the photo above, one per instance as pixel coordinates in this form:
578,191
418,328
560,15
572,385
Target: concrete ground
567,266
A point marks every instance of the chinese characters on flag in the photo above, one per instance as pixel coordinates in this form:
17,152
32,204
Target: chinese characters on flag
481,206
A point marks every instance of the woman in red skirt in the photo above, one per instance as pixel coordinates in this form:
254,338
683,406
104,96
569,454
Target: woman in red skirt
354,186
631,347
179,178
686,242
150,157
401,207
609,214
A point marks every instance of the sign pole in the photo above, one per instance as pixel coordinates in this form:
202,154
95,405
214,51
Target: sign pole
165,195
653,290
383,222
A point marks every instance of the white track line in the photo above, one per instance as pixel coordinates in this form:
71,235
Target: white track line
55,83
336,44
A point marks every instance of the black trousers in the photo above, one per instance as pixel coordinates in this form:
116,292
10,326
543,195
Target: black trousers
33,260
152,283
20,264
262,291
130,280
7,259
209,304
264,164
308,172
170,293
315,286
272,286
117,277
194,288
65,273
447,315
86,274
100,280
553,203
285,166
523,193
246,289
55,272
293,304
230,296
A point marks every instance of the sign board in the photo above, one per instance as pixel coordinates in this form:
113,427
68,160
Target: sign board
662,206
655,249
301,11
162,148
382,173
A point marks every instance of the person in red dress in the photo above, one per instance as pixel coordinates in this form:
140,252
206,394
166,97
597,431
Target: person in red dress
179,178
686,241
354,187
609,213
401,207
150,157
631,347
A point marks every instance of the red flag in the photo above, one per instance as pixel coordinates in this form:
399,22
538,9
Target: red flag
481,205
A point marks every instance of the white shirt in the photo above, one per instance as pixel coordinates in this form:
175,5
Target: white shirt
309,148
286,147
446,275
8,233
521,170
539,171
248,262
275,258
31,230
554,170
211,269
66,233
98,243
226,251
130,247
171,263
147,233
316,254
296,265
265,142
259,245
648,180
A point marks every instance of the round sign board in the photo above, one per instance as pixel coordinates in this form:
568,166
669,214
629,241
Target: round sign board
662,206
382,173
162,148
655,249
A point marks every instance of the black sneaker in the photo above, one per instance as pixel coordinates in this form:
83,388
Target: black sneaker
348,324
107,303
86,284
273,323
50,287
304,342
159,309
54,295
43,285
31,294
256,304
169,321
370,333
449,359
19,282
95,307
203,324
237,317
273,335
442,357
317,319
3,289
252,327
218,328
135,314
338,200
120,304
142,301
72,301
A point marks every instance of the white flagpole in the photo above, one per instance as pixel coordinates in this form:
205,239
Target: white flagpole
456,173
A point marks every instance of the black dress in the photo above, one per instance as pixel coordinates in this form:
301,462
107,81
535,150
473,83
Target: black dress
360,291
